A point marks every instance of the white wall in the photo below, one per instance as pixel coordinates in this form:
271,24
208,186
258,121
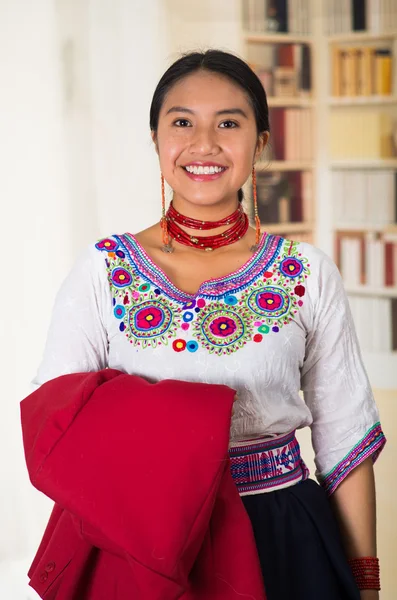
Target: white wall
202,25
77,162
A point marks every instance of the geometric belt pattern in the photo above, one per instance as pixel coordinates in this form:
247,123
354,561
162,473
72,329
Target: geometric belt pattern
260,466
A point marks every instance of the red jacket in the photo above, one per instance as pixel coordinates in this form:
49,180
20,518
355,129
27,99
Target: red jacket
146,508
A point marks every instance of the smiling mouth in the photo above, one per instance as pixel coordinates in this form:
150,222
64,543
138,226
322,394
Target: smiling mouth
204,170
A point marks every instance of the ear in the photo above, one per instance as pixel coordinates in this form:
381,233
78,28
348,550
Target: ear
154,139
261,143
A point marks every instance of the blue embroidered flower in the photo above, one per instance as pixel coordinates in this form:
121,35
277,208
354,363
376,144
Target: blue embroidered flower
231,300
120,254
192,346
119,311
188,316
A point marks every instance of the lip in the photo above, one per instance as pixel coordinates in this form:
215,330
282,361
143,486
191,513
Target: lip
199,163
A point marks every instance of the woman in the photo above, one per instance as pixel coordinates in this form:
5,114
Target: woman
201,296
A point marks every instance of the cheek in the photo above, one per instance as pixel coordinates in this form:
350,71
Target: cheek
170,141
242,153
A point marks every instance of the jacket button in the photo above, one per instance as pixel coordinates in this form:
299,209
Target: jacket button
43,576
50,567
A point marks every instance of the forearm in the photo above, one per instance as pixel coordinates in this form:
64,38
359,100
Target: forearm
354,506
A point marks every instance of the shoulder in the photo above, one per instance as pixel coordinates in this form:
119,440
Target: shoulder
96,258
319,265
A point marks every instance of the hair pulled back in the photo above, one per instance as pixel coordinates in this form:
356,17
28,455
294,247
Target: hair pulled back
215,61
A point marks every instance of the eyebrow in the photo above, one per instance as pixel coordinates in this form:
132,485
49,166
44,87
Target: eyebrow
225,111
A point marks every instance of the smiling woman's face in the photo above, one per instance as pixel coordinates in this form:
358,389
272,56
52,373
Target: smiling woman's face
207,139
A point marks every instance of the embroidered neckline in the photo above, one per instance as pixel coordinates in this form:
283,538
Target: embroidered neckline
262,259
260,297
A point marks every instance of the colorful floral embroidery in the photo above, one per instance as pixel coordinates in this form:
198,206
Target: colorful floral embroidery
222,330
371,445
107,244
227,313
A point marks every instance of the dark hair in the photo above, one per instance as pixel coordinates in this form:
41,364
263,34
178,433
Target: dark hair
220,62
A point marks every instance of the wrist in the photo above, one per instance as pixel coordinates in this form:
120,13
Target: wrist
365,571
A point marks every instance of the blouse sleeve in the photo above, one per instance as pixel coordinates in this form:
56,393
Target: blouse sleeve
77,340
345,428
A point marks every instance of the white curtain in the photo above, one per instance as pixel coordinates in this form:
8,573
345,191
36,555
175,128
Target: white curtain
76,163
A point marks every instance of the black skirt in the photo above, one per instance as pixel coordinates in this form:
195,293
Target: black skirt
299,545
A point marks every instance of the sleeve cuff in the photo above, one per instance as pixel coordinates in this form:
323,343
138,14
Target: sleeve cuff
371,445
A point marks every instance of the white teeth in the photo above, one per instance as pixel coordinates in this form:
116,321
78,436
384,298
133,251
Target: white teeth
199,170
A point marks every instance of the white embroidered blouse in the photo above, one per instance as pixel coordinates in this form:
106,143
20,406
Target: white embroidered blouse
279,324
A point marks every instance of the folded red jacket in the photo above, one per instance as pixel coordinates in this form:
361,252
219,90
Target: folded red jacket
145,504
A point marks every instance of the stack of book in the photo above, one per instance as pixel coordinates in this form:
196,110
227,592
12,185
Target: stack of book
362,134
368,260
374,16
288,73
375,320
291,134
285,196
277,16
361,71
366,198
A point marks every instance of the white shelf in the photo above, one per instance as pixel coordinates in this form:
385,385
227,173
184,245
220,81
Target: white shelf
386,163
284,165
362,100
302,227
361,36
276,38
362,290
276,101
364,228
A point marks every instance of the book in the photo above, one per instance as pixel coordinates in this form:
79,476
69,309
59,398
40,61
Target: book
383,71
279,196
362,134
358,15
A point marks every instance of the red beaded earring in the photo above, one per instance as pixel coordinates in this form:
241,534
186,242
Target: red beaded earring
164,224
256,215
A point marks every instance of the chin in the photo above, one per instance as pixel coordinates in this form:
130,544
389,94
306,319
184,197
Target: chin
209,199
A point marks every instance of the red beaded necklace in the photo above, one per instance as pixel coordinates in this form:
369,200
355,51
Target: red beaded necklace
174,219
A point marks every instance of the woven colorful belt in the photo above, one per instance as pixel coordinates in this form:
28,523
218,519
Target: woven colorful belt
265,465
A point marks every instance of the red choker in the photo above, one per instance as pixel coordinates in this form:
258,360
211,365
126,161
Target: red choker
174,219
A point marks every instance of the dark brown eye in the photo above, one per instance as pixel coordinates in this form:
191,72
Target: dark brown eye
228,125
182,123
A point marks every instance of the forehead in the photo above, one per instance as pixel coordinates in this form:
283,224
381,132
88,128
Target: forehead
208,91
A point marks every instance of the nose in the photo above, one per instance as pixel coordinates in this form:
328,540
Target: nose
204,142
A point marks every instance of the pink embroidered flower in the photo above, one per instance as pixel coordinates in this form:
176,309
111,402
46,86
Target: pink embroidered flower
121,277
223,326
149,318
291,267
270,301
107,244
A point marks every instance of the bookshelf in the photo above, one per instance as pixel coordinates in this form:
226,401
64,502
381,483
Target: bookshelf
345,225
287,169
